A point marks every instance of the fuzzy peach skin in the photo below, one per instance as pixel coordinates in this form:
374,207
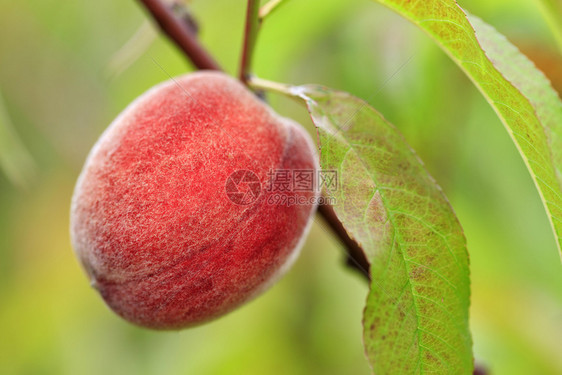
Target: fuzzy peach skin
151,222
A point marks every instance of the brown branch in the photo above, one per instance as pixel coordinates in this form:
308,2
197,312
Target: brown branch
356,258
480,370
180,9
180,34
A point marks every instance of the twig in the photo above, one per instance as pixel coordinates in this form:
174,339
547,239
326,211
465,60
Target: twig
180,34
180,10
356,258
254,19
250,38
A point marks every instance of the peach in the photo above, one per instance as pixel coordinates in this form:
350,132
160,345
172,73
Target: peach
171,216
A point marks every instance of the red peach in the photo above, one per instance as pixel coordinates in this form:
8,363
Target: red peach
155,219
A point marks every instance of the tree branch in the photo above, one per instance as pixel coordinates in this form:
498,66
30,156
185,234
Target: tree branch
355,256
180,34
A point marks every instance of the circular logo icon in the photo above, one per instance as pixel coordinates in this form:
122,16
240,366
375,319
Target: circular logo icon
243,187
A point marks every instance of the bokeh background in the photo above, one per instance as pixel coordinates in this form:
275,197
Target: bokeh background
68,68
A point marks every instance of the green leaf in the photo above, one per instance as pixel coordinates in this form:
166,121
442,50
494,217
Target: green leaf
416,317
506,79
530,82
15,161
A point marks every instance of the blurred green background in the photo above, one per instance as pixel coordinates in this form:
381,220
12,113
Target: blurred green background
68,68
